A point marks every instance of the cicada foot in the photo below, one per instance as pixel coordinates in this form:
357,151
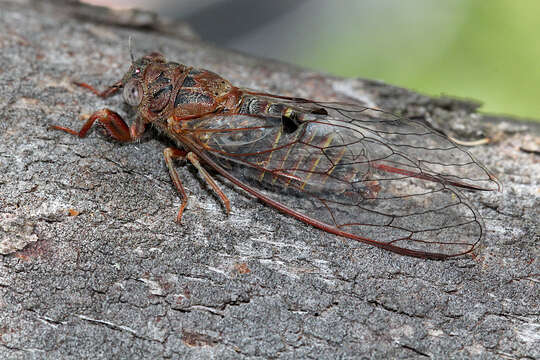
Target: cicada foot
113,124
170,154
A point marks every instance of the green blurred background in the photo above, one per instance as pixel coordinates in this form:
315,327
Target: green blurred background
487,50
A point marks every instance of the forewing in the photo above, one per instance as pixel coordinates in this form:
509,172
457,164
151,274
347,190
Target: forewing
354,171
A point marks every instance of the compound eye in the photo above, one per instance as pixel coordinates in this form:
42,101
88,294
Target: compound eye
133,93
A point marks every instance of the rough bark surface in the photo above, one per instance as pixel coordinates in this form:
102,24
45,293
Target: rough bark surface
94,265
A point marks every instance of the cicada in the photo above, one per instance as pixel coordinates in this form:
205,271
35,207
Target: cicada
350,170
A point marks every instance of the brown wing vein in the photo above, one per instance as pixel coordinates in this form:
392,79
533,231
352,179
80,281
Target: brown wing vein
353,172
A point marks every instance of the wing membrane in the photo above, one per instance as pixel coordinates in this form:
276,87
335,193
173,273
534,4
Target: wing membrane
354,171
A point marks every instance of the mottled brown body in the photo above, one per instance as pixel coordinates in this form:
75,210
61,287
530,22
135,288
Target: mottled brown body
173,92
347,169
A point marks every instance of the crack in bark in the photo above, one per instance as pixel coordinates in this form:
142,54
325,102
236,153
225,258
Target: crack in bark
116,327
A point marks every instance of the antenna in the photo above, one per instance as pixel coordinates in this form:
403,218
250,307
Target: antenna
130,50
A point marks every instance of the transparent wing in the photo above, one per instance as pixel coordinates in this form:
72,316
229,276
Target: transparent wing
354,171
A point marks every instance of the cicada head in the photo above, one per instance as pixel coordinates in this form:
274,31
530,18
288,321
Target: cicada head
132,80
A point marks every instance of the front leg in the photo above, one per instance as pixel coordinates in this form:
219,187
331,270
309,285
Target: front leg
111,90
113,124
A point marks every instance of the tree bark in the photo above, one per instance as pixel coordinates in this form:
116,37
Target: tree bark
94,265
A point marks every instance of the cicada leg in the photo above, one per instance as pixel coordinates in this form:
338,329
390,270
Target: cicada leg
194,159
115,126
111,90
170,154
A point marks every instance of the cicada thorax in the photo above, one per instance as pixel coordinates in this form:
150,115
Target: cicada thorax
175,91
202,92
159,82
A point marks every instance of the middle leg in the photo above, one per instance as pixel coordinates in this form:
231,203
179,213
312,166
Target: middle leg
172,153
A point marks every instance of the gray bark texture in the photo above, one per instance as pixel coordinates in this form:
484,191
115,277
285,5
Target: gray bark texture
94,266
